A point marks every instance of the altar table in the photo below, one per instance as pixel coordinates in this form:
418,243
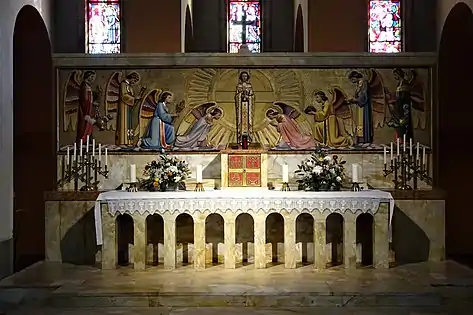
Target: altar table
257,202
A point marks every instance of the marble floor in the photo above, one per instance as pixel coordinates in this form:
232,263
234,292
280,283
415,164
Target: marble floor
62,289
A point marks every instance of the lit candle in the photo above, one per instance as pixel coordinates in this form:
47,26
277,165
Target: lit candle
133,173
385,155
392,147
423,156
404,144
106,156
93,147
285,173
199,173
87,145
397,146
67,159
80,148
410,146
354,172
75,152
100,152
417,152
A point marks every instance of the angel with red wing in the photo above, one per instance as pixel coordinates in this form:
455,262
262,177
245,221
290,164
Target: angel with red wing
334,122
196,136
370,95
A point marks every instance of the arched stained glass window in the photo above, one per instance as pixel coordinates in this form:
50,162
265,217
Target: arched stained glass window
244,25
103,32
384,24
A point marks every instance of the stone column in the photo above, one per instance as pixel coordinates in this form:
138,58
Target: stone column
224,169
320,242
349,240
109,234
169,241
139,241
290,250
229,231
381,237
260,240
199,241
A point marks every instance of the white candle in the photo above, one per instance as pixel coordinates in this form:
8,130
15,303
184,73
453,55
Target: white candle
106,156
285,173
410,146
75,152
423,156
100,152
93,147
397,146
385,154
80,148
392,145
133,173
417,152
404,143
354,172
198,173
67,159
87,144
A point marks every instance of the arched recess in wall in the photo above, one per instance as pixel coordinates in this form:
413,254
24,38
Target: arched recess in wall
299,31
34,161
189,34
455,113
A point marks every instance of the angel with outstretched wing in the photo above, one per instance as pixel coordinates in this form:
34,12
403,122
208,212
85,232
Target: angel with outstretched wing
292,135
334,122
80,105
370,96
197,135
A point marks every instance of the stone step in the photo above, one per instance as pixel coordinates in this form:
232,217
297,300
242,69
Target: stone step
263,299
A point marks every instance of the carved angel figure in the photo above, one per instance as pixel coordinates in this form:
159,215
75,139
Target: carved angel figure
81,108
334,122
156,123
370,97
292,136
196,136
120,102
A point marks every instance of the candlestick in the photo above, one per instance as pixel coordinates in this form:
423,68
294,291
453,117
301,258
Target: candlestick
410,146
67,159
75,152
423,156
199,173
392,145
132,173
80,148
285,173
354,172
100,153
93,147
417,152
385,154
404,143
87,144
106,157
397,153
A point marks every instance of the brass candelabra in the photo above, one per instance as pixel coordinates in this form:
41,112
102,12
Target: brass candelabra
406,169
84,168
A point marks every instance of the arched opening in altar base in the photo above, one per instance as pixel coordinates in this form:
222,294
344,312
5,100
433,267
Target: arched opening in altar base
215,245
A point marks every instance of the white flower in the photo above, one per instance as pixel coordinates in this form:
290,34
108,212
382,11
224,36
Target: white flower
327,158
317,169
338,179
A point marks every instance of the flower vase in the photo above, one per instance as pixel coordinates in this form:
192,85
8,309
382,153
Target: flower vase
172,187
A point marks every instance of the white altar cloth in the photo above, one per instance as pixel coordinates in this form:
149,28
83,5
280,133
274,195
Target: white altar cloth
239,200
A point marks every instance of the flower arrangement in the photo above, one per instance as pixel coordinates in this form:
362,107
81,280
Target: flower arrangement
165,173
321,172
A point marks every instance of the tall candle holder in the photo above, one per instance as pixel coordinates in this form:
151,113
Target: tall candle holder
83,168
407,168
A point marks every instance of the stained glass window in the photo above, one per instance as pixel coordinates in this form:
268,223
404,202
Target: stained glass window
103,26
385,26
244,25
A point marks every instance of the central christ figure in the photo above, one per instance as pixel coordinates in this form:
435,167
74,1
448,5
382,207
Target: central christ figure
244,107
